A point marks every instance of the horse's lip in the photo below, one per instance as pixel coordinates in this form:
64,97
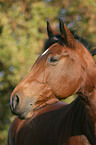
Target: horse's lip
25,115
13,111
21,116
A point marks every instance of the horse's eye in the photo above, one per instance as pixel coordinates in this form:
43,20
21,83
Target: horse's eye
53,60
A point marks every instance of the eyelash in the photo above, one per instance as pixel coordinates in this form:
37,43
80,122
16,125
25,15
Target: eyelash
53,59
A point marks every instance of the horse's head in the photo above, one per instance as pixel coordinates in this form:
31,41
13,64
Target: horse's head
58,73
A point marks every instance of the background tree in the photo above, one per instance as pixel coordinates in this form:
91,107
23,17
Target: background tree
22,35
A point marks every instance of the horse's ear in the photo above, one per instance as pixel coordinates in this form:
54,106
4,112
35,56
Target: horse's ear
62,29
66,34
93,51
50,31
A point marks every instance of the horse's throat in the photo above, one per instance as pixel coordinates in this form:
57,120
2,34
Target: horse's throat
88,93
89,99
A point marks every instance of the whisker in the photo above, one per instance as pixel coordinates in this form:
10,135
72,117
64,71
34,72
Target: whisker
32,123
28,124
35,122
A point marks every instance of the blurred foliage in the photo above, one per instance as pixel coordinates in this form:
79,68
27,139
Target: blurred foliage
22,34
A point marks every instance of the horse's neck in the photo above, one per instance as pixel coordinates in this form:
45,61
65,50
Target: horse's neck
91,107
88,94
91,94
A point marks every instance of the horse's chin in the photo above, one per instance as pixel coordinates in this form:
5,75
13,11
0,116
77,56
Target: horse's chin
30,114
25,116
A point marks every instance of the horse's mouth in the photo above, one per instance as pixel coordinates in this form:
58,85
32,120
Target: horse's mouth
22,114
25,115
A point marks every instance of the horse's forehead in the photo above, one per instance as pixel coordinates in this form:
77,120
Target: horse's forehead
44,52
54,49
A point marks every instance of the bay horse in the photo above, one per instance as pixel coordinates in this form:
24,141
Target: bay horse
64,69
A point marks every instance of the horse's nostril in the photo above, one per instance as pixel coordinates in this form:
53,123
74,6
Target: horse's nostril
15,102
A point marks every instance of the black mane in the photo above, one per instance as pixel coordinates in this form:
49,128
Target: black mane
59,39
